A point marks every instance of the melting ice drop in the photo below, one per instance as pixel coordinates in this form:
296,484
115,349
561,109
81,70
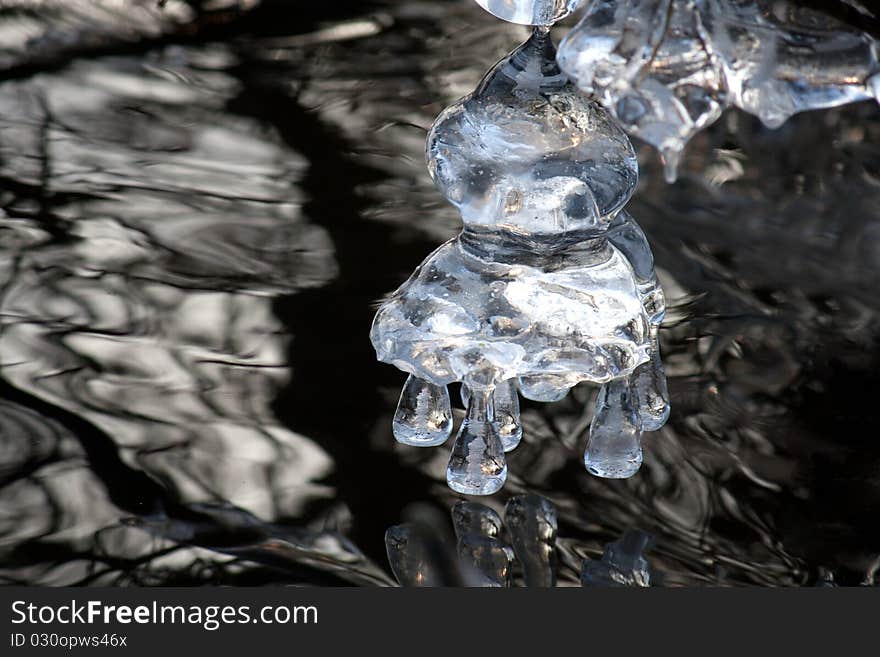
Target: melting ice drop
424,414
477,465
614,448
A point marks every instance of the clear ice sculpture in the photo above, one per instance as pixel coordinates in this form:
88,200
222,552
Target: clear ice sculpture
667,69
550,282
530,12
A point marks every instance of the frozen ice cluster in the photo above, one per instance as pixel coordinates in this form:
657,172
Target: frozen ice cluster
668,68
550,282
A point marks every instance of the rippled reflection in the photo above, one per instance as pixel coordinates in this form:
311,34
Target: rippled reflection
520,550
194,233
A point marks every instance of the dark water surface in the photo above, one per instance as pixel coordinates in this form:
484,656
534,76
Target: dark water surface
199,213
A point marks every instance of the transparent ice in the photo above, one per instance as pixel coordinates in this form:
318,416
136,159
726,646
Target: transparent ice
424,414
614,447
549,284
546,387
668,68
505,402
530,12
477,465
623,563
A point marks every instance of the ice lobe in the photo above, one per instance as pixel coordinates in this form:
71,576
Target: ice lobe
668,68
549,283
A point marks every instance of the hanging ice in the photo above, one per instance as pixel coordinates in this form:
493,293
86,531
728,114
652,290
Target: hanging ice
668,68
549,283
477,465
505,403
614,448
530,12
424,414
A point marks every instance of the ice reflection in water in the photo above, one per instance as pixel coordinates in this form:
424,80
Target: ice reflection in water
186,284
521,550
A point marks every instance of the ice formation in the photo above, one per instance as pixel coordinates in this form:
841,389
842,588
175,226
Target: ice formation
550,282
530,12
668,68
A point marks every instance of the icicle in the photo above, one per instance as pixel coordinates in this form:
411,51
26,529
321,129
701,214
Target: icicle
424,414
614,448
505,401
649,388
477,465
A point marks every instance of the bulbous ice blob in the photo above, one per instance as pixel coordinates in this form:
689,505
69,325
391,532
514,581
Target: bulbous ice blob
424,414
576,314
477,465
614,448
527,153
668,68
530,12
545,387
506,403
